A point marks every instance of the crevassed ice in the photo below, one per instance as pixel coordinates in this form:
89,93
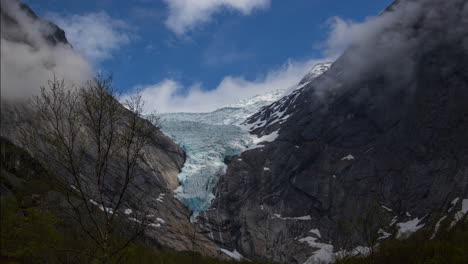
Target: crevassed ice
206,146
207,138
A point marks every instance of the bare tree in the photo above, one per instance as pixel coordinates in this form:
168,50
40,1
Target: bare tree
98,146
365,227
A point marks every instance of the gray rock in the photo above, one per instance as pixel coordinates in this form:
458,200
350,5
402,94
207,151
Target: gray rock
157,177
354,144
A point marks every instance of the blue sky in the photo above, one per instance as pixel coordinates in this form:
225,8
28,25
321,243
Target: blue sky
186,49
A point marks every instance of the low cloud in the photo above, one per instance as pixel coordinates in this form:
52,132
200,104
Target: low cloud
29,60
95,35
185,15
169,96
392,43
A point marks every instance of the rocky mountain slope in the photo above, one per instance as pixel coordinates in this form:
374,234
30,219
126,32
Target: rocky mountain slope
163,158
208,138
375,148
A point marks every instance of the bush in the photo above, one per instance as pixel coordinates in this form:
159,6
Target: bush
449,246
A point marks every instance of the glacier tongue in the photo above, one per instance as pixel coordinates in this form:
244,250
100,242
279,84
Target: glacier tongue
207,138
206,146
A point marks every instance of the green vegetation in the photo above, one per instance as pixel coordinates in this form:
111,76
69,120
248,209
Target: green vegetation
36,228
449,246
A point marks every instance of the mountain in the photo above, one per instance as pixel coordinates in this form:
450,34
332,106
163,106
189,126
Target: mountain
375,148
163,158
9,13
208,138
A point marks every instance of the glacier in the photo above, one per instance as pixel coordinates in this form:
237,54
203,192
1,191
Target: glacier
208,138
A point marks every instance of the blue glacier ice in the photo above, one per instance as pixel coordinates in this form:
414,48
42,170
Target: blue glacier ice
207,138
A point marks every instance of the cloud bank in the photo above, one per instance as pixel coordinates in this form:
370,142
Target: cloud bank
169,96
95,35
185,15
29,59
391,44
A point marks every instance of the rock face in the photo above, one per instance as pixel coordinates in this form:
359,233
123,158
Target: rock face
10,24
163,158
380,138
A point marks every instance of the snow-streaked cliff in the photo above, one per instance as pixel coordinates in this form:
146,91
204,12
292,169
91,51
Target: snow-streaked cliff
208,138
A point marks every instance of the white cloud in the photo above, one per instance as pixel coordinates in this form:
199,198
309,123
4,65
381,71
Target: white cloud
344,33
28,60
169,96
95,35
185,15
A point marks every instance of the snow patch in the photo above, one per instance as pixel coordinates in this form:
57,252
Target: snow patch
128,211
102,208
233,254
301,218
154,225
386,208
266,138
409,227
460,214
316,232
349,157
323,254
383,234
160,197
437,226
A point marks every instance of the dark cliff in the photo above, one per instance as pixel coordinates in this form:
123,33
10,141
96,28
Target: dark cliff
378,141
163,158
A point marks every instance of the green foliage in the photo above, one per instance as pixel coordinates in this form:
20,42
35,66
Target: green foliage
28,235
448,247
141,254
37,236
33,230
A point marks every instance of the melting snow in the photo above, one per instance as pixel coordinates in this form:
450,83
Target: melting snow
134,220
160,197
386,208
349,157
128,211
460,214
453,203
267,138
383,234
437,226
406,228
102,208
359,250
316,232
302,218
323,254
233,254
